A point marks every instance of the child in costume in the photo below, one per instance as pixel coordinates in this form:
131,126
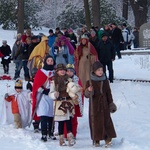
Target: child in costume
78,104
63,104
100,106
42,103
20,105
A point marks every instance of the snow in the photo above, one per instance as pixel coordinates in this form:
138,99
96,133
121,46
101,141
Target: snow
131,120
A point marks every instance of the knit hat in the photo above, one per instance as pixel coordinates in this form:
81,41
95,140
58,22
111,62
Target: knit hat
4,42
124,24
96,66
93,32
104,34
60,67
44,38
71,68
18,84
70,30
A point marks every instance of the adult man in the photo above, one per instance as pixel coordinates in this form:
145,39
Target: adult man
117,38
106,55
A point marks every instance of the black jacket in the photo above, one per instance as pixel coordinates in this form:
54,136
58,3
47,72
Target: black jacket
117,36
106,51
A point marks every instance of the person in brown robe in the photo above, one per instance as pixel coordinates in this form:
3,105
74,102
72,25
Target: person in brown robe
81,59
100,106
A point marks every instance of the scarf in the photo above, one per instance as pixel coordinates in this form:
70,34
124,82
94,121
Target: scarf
97,78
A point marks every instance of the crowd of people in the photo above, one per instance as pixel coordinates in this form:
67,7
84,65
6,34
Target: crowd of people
50,64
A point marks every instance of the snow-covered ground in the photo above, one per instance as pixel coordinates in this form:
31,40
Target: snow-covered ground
132,121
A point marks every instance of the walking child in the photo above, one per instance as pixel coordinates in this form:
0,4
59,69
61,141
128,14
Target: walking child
78,103
41,88
64,107
100,106
20,105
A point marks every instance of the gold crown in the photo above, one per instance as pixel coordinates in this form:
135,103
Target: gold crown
18,83
70,66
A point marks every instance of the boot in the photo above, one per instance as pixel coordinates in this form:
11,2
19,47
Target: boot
51,136
61,140
97,144
71,140
36,127
108,142
44,138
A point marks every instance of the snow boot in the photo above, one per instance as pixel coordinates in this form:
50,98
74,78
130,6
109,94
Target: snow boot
97,144
61,140
108,142
71,140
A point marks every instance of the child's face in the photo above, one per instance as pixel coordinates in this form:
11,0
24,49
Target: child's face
49,61
70,73
99,72
18,90
61,72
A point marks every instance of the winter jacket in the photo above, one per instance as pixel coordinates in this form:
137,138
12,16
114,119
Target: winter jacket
101,125
51,40
15,51
117,36
14,104
6,51
106,51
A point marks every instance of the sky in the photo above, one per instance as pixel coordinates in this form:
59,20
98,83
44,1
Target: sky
131,120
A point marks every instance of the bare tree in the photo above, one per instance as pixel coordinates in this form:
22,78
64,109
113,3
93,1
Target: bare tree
125,9
140,11
87,14
96,12
20,16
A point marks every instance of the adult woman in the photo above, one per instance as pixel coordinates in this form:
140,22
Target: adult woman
82,60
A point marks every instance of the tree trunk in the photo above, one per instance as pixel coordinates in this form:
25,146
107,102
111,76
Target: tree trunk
125,9
140,10
20,16
87,14
96,12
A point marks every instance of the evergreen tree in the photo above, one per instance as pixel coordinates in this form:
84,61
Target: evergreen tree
8,14
72,17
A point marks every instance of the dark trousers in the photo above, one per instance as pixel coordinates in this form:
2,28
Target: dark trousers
25,68
110,69
18,68
6,67
46,125
68,126
117,49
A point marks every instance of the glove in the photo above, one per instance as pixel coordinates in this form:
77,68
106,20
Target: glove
112,107
6,96
64,55
46,91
